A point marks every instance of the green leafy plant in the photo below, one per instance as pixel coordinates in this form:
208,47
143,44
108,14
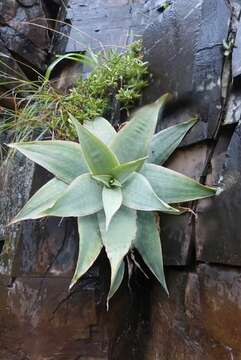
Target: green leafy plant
112,183
115,79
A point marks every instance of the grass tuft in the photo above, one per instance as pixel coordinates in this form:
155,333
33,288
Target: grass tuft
116,80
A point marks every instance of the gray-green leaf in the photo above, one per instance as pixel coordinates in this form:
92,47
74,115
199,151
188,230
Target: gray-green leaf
64,159
112,199
116,282
174,187
118,239
124,170
138,194
98,156
149,246
166,141
133,140
82,198
90,245
101,128
43,199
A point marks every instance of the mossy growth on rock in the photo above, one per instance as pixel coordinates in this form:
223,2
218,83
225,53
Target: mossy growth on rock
116,79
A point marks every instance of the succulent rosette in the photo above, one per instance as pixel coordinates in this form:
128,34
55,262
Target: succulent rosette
113,182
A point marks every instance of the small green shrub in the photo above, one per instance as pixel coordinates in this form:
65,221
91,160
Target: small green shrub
115,78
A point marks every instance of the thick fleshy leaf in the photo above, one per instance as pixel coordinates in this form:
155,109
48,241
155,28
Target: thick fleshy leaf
107,180
166,141
82,198
138,194
148,244
64,159
116,282
133,140
124,170
174,187
101,128
43,199
112,199
118,239
90,245
98,156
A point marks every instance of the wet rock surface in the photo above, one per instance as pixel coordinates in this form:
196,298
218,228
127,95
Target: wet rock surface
26,36
200,320
177,234
201,317
191,65
40,319
22,38
15,189
236,62
108,24
220,216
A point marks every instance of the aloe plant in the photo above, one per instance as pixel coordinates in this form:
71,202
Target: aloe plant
113,183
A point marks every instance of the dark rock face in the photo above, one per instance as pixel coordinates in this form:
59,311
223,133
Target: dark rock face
25,42
200,320
22,38
15,188
236,62
41,308
108,23
40,319
191,65
177,234
221,215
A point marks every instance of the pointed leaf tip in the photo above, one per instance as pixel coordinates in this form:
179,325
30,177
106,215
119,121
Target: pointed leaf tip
219,190
133,140
90,245
101,128
165,142
64,159
116,281
118,239
174,187
11,145
125,170
112,199
149,246
99,158
42,200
